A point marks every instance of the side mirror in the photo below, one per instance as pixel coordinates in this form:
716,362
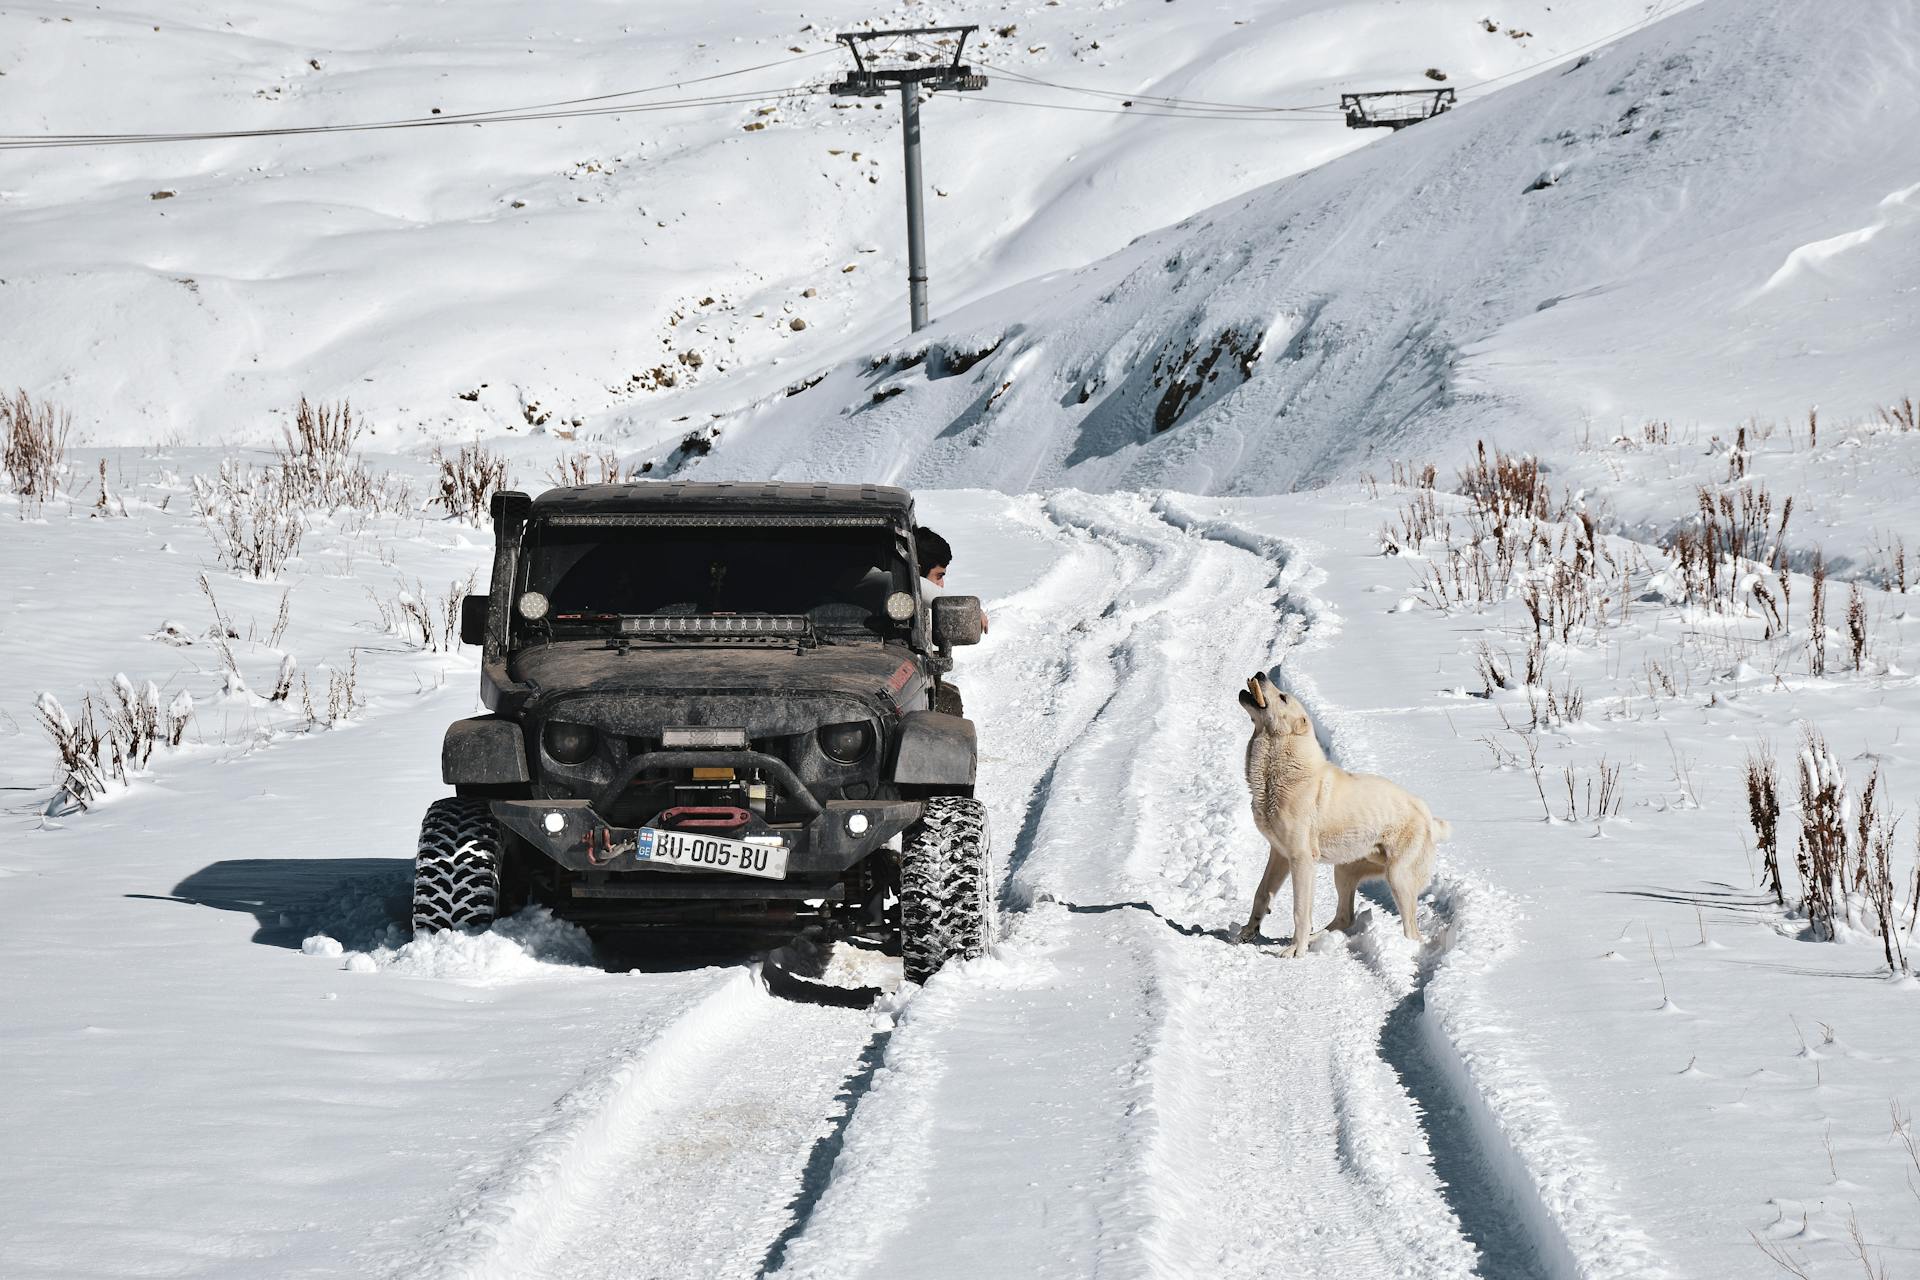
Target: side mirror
957,620
473,619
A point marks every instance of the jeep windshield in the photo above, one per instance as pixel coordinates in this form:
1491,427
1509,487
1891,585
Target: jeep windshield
597,573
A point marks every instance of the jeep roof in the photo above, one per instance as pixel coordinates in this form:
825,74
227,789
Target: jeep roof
761,497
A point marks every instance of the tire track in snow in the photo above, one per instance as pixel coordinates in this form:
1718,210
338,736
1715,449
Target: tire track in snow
1107,1094
1049,662
1537,1214
707,1150
680,1158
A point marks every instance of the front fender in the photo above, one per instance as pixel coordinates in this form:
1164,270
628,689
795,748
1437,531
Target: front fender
483,751
935,749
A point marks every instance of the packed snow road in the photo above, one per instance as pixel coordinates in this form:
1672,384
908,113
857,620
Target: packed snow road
1117,1089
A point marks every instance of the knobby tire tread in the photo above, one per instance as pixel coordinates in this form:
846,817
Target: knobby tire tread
456,870
946,898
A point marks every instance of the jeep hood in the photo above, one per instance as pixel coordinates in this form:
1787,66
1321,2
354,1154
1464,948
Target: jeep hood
713,683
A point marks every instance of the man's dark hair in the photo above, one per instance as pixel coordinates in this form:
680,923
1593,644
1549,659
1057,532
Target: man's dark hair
930,549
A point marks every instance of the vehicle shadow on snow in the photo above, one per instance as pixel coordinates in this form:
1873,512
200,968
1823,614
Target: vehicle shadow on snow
365,902
290,898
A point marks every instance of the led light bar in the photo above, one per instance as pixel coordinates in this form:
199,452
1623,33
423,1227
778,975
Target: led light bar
742,625
715,520
702,738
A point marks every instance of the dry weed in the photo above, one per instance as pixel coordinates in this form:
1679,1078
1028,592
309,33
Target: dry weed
468,480
33,448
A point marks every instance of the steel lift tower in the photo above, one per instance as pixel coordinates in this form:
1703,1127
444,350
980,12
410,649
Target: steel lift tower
879,62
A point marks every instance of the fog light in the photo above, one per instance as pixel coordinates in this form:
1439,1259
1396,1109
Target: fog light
555,823
857,824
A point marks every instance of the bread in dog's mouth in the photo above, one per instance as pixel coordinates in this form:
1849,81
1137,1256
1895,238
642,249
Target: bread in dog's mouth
1259,696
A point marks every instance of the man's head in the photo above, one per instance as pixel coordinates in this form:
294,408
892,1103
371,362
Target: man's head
934,555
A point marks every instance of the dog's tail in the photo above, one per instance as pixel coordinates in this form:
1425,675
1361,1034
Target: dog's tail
1442,830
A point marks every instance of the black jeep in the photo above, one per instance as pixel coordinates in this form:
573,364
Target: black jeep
712,707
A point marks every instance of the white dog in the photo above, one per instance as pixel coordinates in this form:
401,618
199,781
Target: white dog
1311,811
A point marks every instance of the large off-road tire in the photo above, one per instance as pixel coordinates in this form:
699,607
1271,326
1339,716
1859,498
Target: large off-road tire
456,872
946,886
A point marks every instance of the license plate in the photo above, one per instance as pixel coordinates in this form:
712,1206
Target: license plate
710,853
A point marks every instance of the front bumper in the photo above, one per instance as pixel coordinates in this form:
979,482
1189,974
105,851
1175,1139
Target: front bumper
573,834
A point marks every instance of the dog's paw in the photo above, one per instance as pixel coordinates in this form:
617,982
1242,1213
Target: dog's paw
1248,933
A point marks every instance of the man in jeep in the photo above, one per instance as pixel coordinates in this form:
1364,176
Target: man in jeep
934,555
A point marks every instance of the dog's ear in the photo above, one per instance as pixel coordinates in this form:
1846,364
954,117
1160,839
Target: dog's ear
1302,725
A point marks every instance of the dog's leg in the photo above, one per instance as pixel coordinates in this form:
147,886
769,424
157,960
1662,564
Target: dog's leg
1302,900
1346,879
1270,882
1407,875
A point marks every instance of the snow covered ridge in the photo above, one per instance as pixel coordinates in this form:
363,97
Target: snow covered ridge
1710,220
617,272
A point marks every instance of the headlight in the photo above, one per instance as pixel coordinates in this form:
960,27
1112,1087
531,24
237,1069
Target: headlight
568,743
847,743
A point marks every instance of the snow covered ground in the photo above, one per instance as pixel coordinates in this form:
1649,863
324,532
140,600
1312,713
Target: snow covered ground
1616,1054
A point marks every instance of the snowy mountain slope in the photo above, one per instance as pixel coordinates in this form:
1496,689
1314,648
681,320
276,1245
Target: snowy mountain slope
1712,218
552,267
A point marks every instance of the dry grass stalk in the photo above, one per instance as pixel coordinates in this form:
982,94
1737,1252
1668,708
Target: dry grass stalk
1738,457
1419,520
1822,852
343,690
1817,615
1506,487
33,448
1493,674
424,621
318,469
1408,476
1763,812
1857,625
577,470
1902,415
78,743
254,519
112,738
1894,577
468,480
283,683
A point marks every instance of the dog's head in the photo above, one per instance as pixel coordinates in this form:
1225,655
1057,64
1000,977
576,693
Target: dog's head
1271,710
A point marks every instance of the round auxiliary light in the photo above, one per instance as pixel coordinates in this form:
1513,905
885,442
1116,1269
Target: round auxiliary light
555,823
533,606
900,606
857,824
